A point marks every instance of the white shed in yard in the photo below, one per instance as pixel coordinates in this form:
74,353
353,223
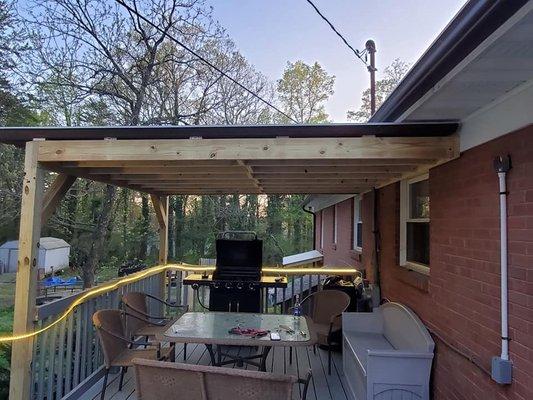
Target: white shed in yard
53,254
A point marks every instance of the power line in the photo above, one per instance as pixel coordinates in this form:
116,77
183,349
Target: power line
201,58
358,54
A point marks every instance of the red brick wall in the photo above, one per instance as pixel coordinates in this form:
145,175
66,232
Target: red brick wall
460,300
340,254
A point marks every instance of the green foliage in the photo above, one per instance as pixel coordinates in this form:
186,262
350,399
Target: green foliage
5,359
303,90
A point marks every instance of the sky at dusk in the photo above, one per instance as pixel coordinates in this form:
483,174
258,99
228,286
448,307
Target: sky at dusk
271,32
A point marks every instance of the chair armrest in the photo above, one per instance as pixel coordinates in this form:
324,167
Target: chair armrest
143,319
122,338
166,302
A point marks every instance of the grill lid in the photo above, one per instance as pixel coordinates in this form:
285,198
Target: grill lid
239,256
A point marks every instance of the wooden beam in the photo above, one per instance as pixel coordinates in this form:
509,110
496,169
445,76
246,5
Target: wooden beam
314,170
227,184
161,211
26,281
222,166
176,177
284,190
249,149
161,204
380,162
185,170
96,178
54,194
149,164
250,174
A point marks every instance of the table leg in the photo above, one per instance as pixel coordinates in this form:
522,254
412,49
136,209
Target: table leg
211,354
266,350
219,354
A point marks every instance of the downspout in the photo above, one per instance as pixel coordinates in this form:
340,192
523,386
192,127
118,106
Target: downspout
314,224
375,259
502,366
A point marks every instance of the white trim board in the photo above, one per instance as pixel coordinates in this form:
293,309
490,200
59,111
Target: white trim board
517,17
506,114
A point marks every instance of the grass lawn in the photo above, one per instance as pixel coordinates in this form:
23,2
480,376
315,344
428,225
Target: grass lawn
7,290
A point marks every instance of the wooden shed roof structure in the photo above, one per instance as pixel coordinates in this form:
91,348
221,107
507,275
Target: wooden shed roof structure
265,159
346,158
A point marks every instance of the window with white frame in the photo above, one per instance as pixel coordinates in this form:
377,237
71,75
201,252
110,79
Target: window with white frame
322,229
357,228
335,224
414,223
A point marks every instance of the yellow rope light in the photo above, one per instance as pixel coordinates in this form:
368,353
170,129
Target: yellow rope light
161,268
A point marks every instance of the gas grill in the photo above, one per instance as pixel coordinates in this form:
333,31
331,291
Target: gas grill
238,259
236,282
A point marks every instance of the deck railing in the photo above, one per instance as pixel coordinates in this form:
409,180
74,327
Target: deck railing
67,359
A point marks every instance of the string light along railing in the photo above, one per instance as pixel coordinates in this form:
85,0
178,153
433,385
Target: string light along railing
163,268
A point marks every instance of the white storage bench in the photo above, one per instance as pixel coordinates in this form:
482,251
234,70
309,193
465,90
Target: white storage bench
387,354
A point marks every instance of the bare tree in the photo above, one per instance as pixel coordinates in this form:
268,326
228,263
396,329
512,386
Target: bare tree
114,54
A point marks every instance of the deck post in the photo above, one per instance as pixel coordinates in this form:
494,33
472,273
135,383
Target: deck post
26,281
160,204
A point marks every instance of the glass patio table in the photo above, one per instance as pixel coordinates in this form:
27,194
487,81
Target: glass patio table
213,328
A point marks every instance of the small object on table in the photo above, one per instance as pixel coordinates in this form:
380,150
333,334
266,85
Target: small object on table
287,329
252,332
275,336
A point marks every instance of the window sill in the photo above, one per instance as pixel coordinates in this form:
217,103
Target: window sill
414,278
416,267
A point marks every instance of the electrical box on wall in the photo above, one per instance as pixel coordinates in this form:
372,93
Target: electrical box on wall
502,370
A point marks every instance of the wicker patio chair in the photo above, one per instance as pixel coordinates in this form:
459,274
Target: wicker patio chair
117,349
139,323
324,318
159,380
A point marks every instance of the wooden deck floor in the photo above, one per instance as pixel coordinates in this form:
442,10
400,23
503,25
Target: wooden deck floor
322,387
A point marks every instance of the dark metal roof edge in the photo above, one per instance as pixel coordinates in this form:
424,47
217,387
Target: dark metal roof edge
477,20
20,135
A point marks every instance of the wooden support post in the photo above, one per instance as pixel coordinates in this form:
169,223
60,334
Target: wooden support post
26,284
54,194
161,212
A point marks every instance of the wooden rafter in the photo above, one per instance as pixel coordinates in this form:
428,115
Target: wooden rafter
225,166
